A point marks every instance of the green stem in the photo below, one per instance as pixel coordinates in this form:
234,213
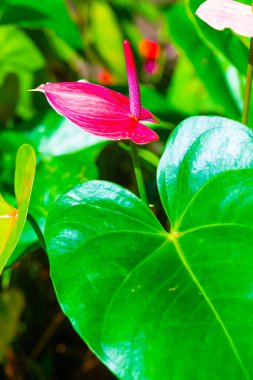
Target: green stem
138,172
37,230
245,113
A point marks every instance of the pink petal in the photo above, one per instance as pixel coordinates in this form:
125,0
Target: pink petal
221,14
140,134
148,116
97,110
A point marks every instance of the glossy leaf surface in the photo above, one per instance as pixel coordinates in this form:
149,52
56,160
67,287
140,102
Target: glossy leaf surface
158,305
12,220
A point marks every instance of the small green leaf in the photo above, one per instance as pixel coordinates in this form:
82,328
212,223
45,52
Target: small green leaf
158,305
12,219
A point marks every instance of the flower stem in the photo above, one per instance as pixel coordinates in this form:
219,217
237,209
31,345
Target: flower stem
37,230
138,172
245,114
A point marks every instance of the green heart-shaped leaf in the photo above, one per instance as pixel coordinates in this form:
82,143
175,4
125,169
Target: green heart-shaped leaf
158,305
12,219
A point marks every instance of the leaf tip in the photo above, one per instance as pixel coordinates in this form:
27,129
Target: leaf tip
41,88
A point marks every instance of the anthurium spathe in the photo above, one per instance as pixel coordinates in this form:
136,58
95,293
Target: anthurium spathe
102,111
221,14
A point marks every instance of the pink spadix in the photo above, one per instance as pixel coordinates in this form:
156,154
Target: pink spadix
133,83
101,111
221,14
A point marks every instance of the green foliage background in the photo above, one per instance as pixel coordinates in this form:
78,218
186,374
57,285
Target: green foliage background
199,71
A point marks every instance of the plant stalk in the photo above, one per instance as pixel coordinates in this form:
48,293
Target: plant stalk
37,230
247,94
138,172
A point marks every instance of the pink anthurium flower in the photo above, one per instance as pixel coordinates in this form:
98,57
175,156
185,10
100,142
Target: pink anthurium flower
101,111
221,14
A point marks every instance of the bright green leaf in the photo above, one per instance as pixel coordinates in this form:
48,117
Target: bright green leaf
12,219
157,305
97,218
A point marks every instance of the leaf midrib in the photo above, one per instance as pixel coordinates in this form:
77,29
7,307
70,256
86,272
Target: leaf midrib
181,217
208,301
214,225
175,241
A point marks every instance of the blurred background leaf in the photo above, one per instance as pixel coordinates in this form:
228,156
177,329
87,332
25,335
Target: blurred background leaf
12,303
20,59
109,36
210,66
39,14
